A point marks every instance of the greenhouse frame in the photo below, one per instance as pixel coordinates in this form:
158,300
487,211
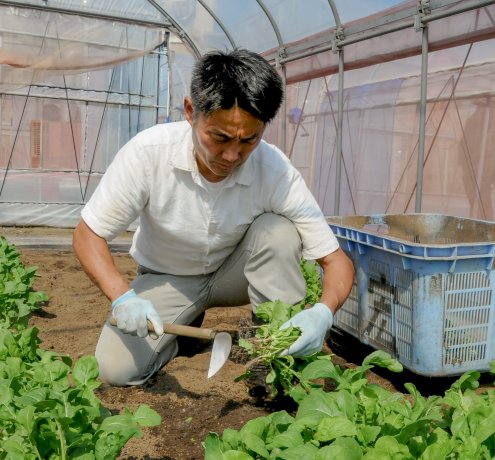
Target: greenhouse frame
389,105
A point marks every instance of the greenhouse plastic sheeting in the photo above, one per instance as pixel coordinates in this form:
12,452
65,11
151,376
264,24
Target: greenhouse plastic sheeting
79,79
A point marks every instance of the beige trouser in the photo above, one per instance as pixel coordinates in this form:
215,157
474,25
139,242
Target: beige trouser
265,266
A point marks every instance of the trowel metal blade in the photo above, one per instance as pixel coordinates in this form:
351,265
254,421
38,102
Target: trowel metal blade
222,344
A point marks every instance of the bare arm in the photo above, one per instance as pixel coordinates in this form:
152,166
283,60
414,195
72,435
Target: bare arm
97,261
315,322
338,275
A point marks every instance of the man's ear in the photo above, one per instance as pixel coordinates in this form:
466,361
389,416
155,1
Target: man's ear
188,109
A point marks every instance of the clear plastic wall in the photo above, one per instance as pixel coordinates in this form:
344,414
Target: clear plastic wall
381,130
74,89
381,121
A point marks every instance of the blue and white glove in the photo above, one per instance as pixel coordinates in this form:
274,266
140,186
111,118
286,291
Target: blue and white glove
314,323
132,314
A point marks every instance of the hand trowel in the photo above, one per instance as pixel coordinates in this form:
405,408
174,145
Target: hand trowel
222,341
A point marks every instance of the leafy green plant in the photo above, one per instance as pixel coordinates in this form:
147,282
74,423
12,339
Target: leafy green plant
50,410
17,298
48,405
361,420
312,277
282,372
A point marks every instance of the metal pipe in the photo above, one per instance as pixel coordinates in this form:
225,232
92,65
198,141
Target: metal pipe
219,22
340,123
183,35
80,99
335,12
462,8
422,118
87,14
390,28
283,113
278,63
169,74
158,74
272,21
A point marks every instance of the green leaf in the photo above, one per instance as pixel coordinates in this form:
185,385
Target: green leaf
109,445
25,417
281,419
320,404
468,380
255,427
235,455
388,448
481,421
321,368
383,359
53,374
246,344
440,449
255,444
32,397
367,434
231,438
342,448
305,452
286,440
121,423
276,312
16,449
146,416
9,287
420,427
212,446
85,370
331,428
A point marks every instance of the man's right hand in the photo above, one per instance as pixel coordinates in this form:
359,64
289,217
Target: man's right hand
132,314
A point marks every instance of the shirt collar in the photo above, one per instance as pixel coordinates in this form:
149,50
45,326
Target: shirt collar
184,158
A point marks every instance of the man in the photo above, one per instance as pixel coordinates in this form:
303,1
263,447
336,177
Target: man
224,220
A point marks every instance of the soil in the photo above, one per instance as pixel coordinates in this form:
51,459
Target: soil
190,404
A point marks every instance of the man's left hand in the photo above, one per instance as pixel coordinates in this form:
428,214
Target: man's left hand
314,323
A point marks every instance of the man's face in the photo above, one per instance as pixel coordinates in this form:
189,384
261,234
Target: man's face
223,140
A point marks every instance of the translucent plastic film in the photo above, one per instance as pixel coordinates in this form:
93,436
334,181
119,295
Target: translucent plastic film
35,44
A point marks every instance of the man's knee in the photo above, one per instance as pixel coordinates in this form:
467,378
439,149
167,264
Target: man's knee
273,266
276,232
115,372
129,366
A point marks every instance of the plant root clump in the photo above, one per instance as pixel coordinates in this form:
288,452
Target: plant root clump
256,383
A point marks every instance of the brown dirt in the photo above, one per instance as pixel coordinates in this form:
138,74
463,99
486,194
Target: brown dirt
190,404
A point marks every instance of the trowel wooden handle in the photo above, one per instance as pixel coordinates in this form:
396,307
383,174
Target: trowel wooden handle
180,329
187,331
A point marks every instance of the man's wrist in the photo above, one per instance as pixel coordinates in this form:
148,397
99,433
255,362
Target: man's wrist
124,297
325,312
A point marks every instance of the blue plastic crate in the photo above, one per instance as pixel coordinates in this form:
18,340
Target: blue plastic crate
424,289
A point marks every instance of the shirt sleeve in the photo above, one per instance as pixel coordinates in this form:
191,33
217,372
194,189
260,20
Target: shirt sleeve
121,194
292,198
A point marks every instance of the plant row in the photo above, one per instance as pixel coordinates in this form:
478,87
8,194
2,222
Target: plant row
48,405
356,419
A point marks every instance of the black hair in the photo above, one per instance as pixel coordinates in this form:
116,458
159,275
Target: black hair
221,80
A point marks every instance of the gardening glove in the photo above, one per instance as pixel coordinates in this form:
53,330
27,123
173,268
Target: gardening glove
132,312
314,323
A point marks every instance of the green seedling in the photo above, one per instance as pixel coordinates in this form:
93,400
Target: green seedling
269,342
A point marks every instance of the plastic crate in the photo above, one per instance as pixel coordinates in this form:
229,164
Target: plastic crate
424,289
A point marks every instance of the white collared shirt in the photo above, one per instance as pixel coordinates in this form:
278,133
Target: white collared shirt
183,232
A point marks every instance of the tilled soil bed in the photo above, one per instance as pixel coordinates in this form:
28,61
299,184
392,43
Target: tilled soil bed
190,404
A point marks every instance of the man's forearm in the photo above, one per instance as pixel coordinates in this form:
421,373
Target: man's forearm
97,261
338,276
